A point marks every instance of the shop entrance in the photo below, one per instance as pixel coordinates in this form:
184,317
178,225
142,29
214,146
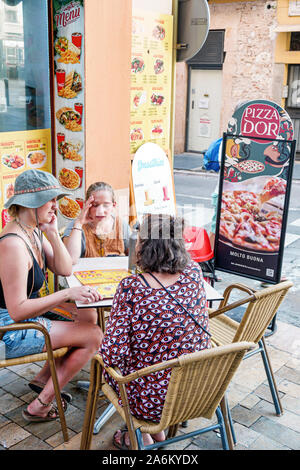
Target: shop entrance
205,98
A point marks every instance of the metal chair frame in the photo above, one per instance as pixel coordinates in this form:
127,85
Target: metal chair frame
197,385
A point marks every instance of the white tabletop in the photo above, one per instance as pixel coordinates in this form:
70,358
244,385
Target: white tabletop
116,262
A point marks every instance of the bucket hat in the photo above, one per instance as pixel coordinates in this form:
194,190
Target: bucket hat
33,188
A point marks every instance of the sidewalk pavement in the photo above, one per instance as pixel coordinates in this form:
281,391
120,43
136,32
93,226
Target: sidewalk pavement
256,425
194,162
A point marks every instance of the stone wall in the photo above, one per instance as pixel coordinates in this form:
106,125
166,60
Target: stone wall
249,71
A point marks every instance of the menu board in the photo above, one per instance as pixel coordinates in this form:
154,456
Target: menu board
68,26
21,151
151,79
255,180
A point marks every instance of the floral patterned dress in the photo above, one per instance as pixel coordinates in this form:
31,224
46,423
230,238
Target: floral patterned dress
146,326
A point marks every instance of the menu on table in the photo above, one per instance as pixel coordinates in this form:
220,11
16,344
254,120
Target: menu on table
68,25
151,79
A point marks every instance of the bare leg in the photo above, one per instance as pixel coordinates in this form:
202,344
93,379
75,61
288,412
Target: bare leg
87,315
84,340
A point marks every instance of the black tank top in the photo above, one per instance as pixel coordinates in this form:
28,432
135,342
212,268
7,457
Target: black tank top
36,269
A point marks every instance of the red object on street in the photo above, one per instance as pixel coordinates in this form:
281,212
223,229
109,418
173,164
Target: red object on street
197,244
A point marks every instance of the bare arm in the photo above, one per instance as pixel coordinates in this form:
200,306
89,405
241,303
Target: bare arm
58,258
15,262
73,241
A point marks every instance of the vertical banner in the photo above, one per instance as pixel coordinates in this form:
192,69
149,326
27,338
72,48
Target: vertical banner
68,27
151,79
255,180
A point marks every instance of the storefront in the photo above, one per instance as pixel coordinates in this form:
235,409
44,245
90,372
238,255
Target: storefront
73,100
33,100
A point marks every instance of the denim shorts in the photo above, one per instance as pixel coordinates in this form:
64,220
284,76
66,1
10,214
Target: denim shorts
23,342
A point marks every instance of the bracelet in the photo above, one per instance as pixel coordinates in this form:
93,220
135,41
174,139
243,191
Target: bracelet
75,228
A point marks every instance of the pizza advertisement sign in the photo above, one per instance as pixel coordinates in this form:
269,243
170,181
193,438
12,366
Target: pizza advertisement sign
255,179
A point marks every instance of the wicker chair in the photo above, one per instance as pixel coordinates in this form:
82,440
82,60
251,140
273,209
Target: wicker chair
197,384
261,309
49,356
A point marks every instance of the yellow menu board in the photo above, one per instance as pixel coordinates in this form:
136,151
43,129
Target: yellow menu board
151,79
21,151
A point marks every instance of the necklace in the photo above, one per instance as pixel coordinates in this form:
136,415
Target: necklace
32,239
39,250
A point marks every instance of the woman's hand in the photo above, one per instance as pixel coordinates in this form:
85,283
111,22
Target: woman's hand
51,227
86,294
84,217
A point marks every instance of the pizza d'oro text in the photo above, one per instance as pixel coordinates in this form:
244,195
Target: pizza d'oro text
248,257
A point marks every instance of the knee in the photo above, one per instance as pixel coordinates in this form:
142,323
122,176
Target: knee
96,338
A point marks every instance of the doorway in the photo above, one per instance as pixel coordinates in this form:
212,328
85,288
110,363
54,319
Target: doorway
205,99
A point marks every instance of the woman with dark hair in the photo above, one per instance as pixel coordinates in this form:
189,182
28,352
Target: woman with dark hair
156,315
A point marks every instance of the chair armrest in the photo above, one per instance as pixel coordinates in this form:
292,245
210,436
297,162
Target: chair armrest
225,308
229,289
24,326
115,373
27,326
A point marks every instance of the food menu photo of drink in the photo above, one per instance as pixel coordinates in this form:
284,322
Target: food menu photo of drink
68,25
151,79
21,151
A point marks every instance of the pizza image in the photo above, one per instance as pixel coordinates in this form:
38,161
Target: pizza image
251,166
273,188
247,222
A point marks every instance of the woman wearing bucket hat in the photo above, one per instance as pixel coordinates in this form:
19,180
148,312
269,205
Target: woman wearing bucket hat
24,253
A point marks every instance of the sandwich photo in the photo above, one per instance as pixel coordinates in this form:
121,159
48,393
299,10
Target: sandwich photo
69,118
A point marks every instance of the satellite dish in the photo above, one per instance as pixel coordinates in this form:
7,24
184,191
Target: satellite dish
193,26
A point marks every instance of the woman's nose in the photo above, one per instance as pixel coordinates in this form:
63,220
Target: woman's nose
100,210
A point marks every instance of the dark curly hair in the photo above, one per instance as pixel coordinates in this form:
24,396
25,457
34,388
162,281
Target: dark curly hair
161,245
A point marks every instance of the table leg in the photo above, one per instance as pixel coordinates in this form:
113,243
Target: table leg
110,410
84,384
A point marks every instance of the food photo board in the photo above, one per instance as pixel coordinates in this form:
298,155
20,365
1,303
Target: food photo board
69,122
20,151
254,191
151,79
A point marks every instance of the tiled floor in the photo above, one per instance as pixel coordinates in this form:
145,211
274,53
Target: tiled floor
256,425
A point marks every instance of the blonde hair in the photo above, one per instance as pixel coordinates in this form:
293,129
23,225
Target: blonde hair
100,186
13,211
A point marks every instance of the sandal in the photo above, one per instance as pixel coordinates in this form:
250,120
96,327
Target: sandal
52,414
122,444
38,387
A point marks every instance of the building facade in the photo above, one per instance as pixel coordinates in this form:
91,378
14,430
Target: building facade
258,59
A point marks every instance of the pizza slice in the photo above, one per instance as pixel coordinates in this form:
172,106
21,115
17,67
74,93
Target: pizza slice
274,187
